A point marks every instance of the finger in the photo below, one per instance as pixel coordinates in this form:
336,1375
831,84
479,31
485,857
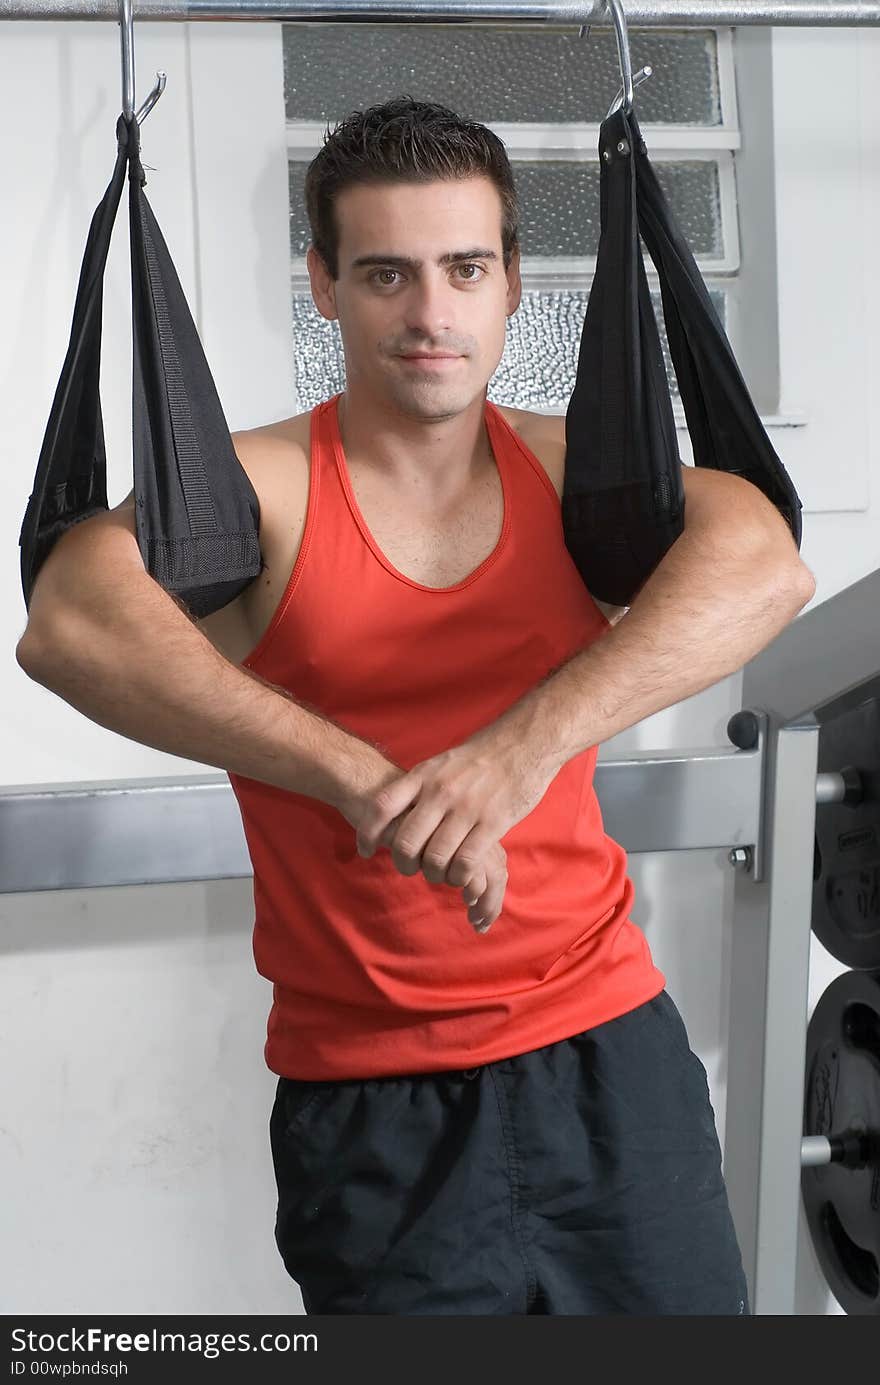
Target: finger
387,836
473,847
491,902
474,891
413,835
485,909
479,914
445,845
386,839
392,801
484,894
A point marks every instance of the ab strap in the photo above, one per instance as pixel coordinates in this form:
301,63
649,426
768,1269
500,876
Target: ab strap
197,513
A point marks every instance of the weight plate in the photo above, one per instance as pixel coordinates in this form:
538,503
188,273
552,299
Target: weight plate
846,857
842,1093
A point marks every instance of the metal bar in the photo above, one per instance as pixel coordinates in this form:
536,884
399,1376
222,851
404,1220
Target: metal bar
144,832
156,831
815,1149
768,990
127,36
825,653
638,13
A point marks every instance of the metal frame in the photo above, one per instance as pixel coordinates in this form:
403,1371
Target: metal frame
828,654
161,831
640,13
578,143
576,271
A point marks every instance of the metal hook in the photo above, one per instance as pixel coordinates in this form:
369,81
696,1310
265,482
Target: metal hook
616,11
641,76
154,95
126,22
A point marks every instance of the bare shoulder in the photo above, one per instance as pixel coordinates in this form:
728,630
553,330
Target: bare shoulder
275,457
544,435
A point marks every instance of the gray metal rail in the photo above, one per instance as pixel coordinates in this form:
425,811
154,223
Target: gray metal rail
829,655
158,831
638,13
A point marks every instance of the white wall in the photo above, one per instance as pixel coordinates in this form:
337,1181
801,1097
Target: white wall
134,1145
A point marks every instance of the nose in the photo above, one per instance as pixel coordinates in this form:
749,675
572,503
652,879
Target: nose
429,308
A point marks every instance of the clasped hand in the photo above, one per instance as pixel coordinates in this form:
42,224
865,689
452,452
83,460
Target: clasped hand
446,817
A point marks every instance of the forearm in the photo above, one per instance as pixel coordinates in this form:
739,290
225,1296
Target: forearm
708,608
138,665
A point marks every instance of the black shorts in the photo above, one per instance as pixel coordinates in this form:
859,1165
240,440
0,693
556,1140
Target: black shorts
583,1177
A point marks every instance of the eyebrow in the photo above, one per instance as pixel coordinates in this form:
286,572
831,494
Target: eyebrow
405,262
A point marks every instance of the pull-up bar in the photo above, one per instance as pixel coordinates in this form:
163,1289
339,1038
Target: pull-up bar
645,13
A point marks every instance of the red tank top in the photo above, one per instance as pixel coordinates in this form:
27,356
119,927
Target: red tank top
375,973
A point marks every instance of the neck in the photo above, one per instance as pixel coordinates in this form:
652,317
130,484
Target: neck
436,456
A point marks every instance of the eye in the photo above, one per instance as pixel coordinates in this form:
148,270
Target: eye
377,272
472,278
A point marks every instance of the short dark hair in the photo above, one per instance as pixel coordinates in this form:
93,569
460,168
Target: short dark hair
404,141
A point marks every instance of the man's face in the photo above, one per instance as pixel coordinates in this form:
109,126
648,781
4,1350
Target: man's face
389,309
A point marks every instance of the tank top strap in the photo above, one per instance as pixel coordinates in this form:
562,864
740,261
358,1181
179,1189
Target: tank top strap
505,439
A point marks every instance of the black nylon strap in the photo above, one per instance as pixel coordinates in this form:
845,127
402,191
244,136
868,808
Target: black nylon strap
71,477
623,497
724,425
197,514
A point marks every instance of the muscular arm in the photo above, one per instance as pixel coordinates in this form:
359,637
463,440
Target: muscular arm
109,640
726,588
729,584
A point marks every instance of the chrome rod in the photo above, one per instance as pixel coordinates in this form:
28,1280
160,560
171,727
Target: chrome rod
127,27
638,13
815,1149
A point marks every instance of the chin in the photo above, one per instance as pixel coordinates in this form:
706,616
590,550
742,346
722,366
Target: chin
435,399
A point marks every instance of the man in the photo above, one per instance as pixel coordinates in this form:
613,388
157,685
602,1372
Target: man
506,1117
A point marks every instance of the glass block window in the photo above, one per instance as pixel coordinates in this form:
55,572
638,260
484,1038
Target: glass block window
536,370
544,91
559,206
536,75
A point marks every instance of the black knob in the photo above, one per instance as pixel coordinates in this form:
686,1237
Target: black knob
854,788
742,730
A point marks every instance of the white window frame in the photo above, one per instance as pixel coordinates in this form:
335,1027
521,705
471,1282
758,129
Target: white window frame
579,143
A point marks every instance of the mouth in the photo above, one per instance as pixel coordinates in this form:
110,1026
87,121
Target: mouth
423,359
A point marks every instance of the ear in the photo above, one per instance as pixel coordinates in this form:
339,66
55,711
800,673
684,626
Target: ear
514,283
322,284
